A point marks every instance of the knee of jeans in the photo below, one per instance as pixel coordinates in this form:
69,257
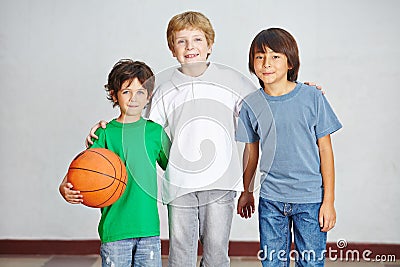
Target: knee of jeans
215,243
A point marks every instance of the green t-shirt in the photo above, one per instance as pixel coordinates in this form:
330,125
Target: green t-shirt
140,145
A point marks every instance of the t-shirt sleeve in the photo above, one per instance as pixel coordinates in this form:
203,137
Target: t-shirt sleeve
247,123
246,88
156,110
327,121
101,142
164,150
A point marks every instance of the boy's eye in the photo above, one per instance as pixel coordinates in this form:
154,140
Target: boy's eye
180,42
259,57
125,92
198,39
140,92
276,57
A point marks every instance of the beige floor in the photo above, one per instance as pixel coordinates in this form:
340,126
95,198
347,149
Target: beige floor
95,261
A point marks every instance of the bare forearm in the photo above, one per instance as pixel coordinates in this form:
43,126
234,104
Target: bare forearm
246,205
327,168
250,160
327,212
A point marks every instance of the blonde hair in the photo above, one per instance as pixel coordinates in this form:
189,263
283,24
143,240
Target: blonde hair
190,20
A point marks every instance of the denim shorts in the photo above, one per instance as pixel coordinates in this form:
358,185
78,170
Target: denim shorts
278,221
136,252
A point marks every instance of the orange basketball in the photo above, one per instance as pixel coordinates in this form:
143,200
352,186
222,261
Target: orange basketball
100,176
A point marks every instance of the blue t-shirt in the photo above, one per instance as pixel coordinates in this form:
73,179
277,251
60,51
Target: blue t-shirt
290,162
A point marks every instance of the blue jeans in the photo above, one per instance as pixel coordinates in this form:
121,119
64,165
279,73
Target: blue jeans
276,220
137,252
204,215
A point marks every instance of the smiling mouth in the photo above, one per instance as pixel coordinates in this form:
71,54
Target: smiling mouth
191,55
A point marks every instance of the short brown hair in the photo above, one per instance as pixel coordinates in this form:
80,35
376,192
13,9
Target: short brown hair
127,70
190,20
280,41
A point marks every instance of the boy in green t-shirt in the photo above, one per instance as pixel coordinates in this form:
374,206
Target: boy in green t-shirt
129,229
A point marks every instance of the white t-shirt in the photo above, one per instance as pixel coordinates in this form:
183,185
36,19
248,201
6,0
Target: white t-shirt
200,116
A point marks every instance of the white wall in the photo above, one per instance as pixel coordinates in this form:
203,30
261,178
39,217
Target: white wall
55,57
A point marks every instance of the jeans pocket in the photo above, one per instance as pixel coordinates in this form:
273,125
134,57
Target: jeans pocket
224,197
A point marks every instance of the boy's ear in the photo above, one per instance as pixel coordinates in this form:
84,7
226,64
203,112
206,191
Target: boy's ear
173,52
115,100
209,51
290,65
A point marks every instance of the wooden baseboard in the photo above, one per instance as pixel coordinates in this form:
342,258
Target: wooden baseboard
236,248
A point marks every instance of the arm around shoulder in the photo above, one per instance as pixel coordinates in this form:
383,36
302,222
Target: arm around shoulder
92,134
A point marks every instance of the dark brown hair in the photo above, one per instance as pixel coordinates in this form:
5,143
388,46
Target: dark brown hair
280,41
127,70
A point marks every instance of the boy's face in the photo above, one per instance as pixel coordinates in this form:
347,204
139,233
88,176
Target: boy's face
190,45
132,98
271,67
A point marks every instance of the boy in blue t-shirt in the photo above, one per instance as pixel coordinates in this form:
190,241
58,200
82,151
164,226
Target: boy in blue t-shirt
297,163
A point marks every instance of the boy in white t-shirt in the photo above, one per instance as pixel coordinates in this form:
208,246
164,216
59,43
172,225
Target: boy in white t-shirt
199,106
